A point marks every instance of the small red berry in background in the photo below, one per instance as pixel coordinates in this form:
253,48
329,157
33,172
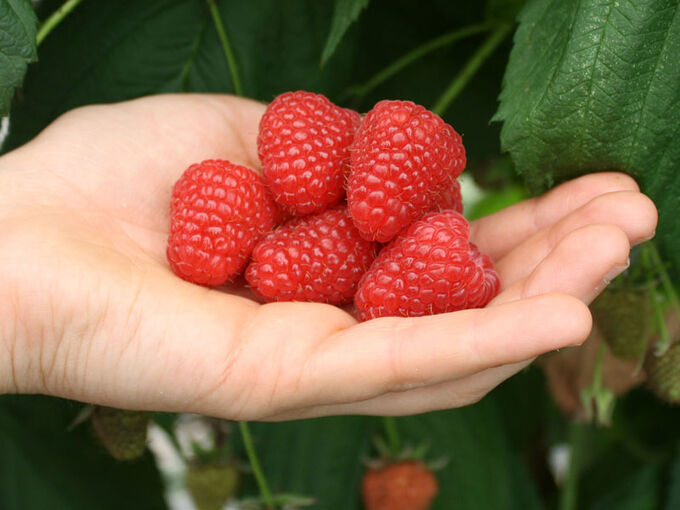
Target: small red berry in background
403,158
303,145
429,268
407,485
218,212
318,258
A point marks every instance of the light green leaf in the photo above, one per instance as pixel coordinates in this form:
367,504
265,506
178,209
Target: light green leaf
594,85
345,13
18,27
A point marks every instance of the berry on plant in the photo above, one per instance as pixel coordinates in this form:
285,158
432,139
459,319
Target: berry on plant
123,433
218,212
623,316
406,485
303,144
664,374
404,158
429,268
211,485
319,258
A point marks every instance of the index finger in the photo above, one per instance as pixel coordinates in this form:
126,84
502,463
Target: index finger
499,233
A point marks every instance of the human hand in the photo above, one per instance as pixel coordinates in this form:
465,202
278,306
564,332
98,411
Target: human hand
89,309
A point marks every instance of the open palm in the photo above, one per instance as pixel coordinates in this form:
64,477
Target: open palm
90,310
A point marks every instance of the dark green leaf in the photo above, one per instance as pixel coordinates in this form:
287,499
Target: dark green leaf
477,445
345,13
112,51
637,492
503,10
593,86
323,458
673,496
18,27
45,465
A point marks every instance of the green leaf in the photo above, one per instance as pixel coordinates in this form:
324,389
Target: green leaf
320,458
673,496
345,13
637,492
328,452
18,27
112,51
503,10
592,85
46,465
476,442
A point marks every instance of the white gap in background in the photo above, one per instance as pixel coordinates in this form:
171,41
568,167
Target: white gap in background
4,129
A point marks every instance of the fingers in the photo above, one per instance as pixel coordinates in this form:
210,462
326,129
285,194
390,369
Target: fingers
150,132
397,354
632,212
446,395
578,268
498,233
583,263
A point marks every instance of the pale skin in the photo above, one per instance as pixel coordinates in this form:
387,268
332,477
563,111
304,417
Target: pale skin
89,309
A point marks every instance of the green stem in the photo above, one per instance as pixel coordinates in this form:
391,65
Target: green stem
57,17
569,493
255,464
470,68
664,341
668,287
599,365
413,55
392,434
226,48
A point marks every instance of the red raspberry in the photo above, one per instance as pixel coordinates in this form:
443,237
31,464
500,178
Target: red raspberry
401,486
429,268
451,198
403,158
304,144
218,212
316,258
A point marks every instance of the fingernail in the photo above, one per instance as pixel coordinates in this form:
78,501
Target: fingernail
640,241
615,271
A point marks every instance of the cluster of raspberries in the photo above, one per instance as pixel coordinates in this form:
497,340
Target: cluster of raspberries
347,208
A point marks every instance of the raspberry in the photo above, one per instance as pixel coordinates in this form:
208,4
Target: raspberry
218,212
316,258
303,144
429,268
451,198
400,486
403,158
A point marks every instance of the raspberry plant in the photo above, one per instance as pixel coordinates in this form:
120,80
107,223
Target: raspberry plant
584,86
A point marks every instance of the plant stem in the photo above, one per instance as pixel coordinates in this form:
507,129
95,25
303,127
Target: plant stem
226,47
255,464
668,287
392,434
413,55
664,336
57,17
569,493
470,68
